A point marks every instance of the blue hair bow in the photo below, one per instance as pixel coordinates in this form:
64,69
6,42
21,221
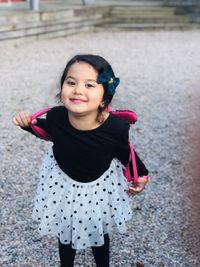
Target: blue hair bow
105,77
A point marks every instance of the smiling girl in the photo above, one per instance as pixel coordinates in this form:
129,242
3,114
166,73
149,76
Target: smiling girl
81,196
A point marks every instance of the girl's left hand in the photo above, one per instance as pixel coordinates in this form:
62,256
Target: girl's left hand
139,187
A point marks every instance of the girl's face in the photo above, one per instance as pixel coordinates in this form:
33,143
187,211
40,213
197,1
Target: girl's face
81,94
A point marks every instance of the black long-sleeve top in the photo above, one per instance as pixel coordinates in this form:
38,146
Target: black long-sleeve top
86,155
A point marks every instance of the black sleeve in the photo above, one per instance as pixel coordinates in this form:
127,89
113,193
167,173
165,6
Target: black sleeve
141,168
42,123
123,152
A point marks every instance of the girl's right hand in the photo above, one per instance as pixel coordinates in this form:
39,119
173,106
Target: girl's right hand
23,119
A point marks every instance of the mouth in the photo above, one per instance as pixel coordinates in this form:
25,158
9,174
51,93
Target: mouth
77,100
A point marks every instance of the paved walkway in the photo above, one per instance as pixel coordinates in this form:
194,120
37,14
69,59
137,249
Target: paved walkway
160,80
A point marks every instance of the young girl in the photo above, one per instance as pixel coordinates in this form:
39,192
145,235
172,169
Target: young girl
82,193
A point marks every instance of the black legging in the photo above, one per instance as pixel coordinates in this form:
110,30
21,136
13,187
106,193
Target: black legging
101,254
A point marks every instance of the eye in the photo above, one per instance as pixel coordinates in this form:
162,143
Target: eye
89,85
70,83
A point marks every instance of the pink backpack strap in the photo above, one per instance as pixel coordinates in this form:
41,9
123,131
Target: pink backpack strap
40,113
131,117
36,129
128,115
127,171
134,165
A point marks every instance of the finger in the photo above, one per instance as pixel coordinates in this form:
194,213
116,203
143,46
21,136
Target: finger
25,119
130,193
34,121
21,119
136,189
18,120
15,122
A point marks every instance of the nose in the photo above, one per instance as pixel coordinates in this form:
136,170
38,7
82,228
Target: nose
78,89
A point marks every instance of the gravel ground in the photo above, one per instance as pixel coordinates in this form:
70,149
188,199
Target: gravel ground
160,78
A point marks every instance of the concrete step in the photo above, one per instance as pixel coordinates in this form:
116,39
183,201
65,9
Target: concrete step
47,23
130,3
17,17
147,27
142,8
51,29
150,20
55,15
148,16
141,11
143,15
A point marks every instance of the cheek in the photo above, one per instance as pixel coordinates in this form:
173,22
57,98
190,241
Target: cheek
63,95
64,91
98,97
100,93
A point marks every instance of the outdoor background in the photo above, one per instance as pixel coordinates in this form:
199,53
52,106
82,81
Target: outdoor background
160,80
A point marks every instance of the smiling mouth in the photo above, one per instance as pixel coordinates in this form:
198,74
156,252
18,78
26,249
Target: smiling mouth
77,100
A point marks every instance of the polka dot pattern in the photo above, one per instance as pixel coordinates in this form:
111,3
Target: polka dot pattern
81,213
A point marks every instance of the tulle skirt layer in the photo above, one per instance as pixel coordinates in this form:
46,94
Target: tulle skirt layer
81,213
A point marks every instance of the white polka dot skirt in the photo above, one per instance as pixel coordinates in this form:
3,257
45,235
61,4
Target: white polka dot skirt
81,213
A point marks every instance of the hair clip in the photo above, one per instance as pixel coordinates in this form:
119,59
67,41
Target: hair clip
105,77
110,81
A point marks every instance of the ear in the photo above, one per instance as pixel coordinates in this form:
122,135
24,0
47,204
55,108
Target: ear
102,104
